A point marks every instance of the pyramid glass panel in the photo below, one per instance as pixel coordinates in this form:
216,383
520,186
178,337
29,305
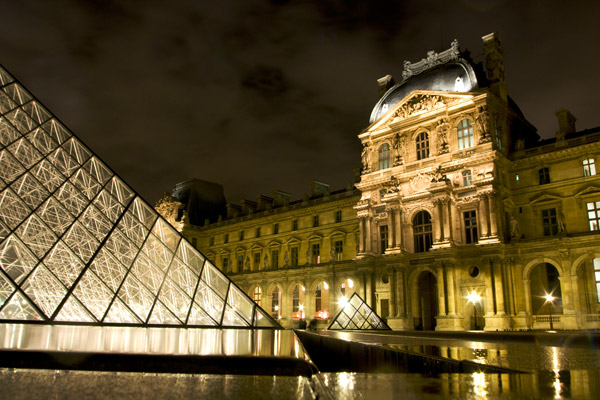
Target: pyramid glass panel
356,314
77,245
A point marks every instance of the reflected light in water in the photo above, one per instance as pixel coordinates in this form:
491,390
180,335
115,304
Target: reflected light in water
556,370
479,384
346,380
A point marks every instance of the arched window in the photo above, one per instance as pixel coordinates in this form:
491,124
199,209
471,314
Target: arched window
422,232
275,302
298,301
465,134
322,300
257,295
422,146
384,156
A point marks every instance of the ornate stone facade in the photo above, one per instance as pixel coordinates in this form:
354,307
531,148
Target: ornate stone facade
458,195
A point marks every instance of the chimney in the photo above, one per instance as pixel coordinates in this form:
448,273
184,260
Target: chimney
494,64
263,202
281,198
384,84
566,123
318,188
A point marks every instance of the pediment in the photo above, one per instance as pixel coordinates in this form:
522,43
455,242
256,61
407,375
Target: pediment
224,251
256,246
315,236
588,192
239,249
420,102
293,239
274,243
544,198
337,232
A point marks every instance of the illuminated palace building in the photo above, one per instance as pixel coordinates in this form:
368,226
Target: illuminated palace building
463,218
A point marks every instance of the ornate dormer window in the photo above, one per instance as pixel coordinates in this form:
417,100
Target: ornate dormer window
384,156
465,134
422,143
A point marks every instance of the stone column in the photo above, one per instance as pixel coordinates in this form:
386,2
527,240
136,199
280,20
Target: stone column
441,292
437,222
368,238
451,290
483,215
489,294
398,228
390,229
361,233
401,310
369,289
492,211
499,285
393,308
446,213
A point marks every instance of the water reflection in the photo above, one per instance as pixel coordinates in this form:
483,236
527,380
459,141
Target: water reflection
577,384
172,341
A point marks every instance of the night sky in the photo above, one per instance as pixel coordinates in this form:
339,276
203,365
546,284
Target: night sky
260,95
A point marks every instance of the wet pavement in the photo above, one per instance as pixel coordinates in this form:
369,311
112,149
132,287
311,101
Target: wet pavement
517,352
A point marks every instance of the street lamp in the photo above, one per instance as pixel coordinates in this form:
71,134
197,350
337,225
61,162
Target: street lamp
550,299
474,298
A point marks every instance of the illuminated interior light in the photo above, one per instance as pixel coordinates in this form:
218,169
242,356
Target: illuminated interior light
325,286
350,283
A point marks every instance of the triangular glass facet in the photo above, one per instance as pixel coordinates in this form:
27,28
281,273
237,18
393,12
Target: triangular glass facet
78,245
355,315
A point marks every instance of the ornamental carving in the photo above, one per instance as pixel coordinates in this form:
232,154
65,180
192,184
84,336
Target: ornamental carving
421,182
397,146
431,61
366,159
482,122
168,207
442,135
418,105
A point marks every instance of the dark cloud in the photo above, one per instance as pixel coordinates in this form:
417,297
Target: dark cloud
263,95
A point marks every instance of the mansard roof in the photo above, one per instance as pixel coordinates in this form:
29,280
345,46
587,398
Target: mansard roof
449,70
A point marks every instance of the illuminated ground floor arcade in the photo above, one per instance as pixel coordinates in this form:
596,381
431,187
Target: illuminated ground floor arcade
540,285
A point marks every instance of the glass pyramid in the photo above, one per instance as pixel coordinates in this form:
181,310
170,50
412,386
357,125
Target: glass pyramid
356,314
77,245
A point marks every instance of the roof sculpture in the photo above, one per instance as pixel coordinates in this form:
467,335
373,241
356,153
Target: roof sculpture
78,245
356,314
444,71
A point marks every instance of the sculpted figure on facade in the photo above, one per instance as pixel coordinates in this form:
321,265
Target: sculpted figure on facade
168,207
393,186
438,176
482,122
266,262
515,231
286,259
247,265
560,219
308,257
442,135
332,253
397,146
520,145
366,159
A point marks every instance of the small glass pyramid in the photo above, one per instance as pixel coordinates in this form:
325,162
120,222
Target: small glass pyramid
355,315
77,245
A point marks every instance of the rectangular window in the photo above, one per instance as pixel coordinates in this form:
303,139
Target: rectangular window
256,261
597,277
241,235
211,241
589,167
470,219
338,247
226,238
295,225
240,263
550,222
275,229
294,256
467,178
315,220
544,176
383,238
275,259
315,253
593,210
195,242
258,231
338,216
225,264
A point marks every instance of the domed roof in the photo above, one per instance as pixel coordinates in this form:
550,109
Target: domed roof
454,75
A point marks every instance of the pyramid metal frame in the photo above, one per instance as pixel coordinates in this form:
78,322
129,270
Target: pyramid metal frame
79,246
357,315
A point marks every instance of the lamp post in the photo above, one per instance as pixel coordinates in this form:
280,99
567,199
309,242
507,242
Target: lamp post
474,298
550,299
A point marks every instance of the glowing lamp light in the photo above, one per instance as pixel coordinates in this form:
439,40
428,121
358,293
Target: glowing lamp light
343,301
473,297
350,283
276,308
549,298
300,307
303,289
325,285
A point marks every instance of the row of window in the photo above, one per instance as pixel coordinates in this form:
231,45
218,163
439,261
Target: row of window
464,137
552,224
589,169
313,256
315,223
